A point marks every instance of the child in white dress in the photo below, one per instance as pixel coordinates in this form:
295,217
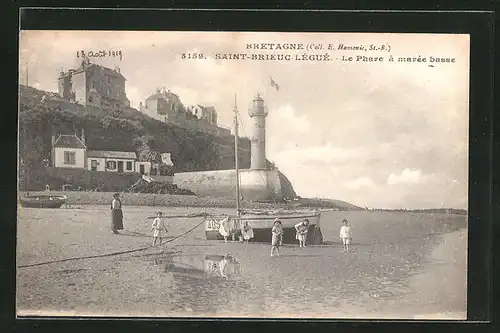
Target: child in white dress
157,228
225,229
277,237
345,235
301,229
247,232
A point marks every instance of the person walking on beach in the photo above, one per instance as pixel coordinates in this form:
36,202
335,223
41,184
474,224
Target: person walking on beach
345,235
277,236
247,232
116,214
157,228
301,232
225,229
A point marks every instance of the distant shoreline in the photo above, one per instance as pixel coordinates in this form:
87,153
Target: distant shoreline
171,200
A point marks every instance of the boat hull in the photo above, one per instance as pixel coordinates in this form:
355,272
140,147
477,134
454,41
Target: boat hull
262,225
45,201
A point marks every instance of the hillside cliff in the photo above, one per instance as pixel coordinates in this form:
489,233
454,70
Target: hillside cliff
43,114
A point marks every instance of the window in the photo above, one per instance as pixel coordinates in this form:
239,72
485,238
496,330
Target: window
129,165
93,165
69,157
90,99
111,165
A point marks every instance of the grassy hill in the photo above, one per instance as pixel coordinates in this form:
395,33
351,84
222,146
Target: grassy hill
43,114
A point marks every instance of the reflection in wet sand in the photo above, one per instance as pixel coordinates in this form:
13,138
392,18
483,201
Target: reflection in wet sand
204,284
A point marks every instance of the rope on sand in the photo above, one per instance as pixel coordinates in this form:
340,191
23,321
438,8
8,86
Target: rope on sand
113,253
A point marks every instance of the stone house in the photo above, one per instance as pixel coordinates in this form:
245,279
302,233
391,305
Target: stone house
94,85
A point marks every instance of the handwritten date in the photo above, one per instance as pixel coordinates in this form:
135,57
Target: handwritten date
100,54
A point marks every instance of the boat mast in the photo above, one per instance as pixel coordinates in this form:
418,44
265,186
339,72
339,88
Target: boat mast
236,125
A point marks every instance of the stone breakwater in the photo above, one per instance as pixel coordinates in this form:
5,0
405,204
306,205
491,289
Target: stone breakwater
151,199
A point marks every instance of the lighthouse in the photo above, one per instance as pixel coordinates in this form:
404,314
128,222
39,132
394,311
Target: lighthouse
258,113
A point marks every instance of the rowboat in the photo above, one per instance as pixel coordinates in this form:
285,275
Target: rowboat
43,201
262,221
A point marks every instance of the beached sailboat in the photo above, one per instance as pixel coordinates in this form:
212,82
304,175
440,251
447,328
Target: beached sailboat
262,221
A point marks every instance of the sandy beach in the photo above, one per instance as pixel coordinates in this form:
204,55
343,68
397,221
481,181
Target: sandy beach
402,265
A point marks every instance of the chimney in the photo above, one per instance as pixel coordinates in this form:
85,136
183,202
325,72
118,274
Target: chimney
83,136
53,138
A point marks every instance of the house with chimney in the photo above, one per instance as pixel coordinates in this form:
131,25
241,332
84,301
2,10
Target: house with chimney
71,151
164,105
94,85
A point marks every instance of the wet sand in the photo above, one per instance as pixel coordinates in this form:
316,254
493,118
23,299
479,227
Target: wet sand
402,265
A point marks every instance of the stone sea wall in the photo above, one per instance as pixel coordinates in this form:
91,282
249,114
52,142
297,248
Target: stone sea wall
255,185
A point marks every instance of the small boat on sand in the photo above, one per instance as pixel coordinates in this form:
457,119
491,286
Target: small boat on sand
43,201
263,223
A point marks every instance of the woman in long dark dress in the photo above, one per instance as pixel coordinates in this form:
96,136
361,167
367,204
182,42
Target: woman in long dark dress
116,214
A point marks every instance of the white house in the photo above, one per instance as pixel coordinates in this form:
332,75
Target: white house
69,151
112,161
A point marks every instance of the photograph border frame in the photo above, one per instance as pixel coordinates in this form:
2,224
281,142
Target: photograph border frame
479,24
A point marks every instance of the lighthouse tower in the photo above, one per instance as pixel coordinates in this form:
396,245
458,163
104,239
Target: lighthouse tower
258,113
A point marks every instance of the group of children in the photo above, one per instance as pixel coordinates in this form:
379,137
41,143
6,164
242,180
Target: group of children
159,231
226,230
302,229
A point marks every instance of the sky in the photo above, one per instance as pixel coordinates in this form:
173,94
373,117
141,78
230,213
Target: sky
375,134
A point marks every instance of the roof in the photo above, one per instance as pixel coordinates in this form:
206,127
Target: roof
207,108
108,71
164,95
88,66
111,154
69,141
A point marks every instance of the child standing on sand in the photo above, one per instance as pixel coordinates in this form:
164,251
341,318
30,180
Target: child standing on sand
157,228
277,237
247,232
301,232
345,235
